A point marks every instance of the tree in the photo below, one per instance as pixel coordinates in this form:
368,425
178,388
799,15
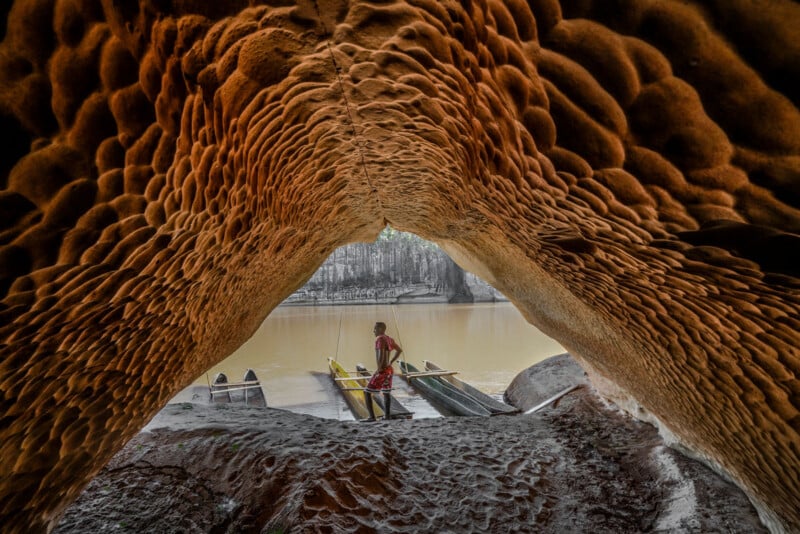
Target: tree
395,261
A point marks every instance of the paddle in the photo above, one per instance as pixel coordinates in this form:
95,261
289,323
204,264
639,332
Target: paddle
553,398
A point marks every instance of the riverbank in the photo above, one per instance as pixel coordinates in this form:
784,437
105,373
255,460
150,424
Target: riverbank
479,292
578,466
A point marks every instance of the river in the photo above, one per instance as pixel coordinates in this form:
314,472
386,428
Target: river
487,343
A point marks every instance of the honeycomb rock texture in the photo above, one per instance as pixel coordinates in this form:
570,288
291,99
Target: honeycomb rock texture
625,171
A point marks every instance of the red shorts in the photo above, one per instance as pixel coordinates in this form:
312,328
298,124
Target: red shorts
381,381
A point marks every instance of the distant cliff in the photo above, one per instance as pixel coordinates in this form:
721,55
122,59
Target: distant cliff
398,267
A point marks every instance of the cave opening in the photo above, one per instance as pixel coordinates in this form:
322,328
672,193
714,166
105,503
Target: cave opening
436,310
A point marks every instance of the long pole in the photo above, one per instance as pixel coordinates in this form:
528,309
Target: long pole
397,325
339,335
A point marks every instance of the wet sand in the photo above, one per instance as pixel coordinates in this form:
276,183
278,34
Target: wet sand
578,466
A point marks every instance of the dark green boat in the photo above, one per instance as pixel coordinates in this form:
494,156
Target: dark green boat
446,399
491,404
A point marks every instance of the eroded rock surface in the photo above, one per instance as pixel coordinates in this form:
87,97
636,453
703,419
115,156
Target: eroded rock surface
626,172
575,467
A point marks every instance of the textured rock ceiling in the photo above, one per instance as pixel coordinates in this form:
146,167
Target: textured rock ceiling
625,171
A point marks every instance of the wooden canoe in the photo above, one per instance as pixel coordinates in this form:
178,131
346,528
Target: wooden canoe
352,389
447,400
398,411
491,404
253,393
219,389
248,391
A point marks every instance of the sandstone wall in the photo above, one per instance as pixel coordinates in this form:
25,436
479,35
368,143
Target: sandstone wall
624,170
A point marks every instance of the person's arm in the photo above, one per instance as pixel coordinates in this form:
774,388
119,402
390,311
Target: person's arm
396,354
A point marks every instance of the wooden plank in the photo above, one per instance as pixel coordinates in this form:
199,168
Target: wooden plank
236,384
353,378
407,375
429,373
228,390
362,389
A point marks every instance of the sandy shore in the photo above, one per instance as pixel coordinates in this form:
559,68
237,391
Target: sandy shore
578,466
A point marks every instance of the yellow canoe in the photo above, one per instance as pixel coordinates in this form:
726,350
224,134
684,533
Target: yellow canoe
352,389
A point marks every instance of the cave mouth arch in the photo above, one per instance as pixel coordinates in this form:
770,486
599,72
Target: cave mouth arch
559,153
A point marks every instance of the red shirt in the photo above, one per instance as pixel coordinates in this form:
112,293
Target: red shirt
384,342
383,346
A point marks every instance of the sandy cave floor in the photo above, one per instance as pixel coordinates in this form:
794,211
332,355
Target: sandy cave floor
578,466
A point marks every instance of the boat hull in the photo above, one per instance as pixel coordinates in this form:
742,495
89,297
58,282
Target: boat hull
352,391
493,405
253,394
219,389
447,400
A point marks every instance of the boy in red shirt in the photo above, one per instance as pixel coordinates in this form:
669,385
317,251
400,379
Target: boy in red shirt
381,381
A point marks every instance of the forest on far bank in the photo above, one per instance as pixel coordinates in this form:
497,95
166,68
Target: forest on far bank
398,267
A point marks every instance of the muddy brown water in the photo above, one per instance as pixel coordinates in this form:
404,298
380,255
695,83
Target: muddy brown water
487,343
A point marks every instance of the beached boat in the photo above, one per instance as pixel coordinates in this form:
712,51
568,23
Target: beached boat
219,389
352,389
248,391
446,399
398,411
253,393
490,403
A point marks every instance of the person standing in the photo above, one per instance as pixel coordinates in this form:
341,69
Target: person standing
381,381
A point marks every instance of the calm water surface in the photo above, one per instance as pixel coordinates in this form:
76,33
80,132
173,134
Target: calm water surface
488,344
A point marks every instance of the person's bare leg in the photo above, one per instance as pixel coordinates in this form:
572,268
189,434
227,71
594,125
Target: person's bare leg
368,402
387,405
